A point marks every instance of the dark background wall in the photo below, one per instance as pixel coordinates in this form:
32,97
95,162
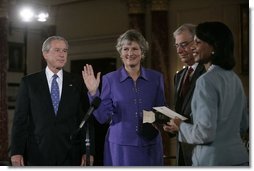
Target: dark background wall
92,27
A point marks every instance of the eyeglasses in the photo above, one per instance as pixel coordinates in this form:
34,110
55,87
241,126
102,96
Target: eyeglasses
183,44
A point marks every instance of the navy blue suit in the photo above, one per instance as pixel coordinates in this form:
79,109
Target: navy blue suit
42,137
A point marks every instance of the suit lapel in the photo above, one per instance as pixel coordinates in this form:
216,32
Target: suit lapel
179,82
66,92
199,71
45,93
65,96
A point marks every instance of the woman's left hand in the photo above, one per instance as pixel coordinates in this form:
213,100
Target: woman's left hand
173,125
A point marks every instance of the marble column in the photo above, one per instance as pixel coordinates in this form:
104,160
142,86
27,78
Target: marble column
160,56
137,15
3,81
159,38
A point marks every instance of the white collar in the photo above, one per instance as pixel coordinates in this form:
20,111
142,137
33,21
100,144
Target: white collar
194,66
50,74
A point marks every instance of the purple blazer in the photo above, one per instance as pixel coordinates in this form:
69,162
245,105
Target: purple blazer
123,102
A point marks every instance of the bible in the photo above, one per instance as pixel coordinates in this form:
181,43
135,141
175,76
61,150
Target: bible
161,114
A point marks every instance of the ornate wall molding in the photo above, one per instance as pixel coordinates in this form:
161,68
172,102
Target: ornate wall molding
3,8
159,5
137,10
136,6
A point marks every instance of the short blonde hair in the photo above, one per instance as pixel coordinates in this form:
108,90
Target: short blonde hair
133,35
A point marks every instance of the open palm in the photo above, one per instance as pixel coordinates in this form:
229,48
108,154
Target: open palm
90,81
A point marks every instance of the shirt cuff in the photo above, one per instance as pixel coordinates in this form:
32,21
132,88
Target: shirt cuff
97,94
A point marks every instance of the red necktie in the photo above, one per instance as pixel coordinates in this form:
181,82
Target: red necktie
186,82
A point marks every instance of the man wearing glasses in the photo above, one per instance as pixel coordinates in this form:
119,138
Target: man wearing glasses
184,84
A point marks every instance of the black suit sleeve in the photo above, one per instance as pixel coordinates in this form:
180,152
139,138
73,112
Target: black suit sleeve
20,124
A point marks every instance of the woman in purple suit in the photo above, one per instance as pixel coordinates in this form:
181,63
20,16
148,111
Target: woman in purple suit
125,93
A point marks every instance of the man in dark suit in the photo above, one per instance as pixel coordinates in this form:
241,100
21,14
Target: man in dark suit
184,36
44,131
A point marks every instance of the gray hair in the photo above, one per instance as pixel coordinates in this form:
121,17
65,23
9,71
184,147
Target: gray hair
190,28
47,43
132,35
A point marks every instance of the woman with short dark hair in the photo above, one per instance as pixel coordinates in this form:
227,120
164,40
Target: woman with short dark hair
219,106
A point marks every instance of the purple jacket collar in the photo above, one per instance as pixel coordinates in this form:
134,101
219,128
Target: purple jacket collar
124,75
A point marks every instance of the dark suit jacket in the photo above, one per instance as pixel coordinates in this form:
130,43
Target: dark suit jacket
183,107
42,137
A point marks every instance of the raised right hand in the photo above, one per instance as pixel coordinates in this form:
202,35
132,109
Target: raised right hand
90,81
